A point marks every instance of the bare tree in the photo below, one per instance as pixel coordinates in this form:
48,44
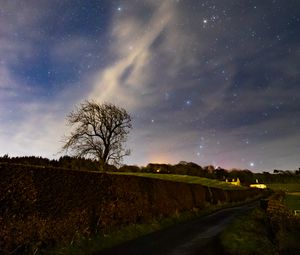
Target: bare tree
100,130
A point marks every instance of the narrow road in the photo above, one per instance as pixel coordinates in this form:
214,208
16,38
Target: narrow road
199,236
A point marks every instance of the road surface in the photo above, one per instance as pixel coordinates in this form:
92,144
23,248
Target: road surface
199,236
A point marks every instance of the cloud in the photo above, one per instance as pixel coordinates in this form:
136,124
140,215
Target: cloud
153,58
31,122
127,81
152,53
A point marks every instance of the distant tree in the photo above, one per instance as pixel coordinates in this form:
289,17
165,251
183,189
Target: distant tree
210,168
127,168
100,130
182,162
220,173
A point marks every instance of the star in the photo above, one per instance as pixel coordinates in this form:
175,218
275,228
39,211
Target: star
167,96
188,102
251,164
119,8
213,18
205,21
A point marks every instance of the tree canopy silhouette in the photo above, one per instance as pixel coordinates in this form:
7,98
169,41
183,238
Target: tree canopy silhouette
100,131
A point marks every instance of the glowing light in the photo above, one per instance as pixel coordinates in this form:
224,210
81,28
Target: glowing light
258,186
188,102
160,159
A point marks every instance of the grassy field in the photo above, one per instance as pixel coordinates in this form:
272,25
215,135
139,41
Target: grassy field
292,198
287,187
188,179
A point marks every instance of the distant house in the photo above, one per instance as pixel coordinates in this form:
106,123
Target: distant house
233,182
258,185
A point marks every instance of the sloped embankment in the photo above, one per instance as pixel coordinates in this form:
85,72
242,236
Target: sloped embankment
45,206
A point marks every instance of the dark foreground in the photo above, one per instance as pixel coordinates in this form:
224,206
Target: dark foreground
200,236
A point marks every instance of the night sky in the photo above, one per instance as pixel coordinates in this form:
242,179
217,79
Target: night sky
213,82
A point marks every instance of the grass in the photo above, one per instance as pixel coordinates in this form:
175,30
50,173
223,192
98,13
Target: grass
105,240
188,179
292,200
292,197
248,235
287,187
